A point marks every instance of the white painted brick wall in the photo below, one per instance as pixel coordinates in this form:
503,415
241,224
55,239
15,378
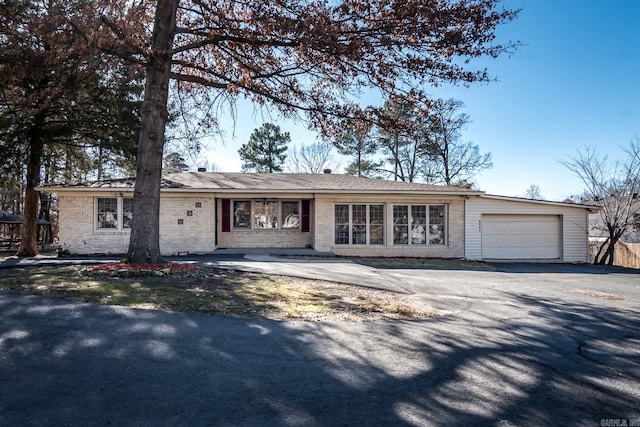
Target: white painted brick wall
195,235
197,232
264,239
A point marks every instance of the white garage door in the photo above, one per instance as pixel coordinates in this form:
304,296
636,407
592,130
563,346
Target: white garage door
521,237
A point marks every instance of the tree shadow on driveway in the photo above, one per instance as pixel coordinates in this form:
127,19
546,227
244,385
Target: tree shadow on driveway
65,363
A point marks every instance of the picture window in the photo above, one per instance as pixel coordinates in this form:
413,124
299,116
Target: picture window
266,215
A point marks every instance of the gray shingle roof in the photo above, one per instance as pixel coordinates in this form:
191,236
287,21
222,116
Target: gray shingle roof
277,182
122,183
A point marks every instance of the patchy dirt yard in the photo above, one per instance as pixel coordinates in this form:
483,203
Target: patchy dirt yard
188,288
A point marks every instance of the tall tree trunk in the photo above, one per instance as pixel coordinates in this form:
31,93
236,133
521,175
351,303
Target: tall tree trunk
396,155
100,161
445,160
611,251
68,166
28,242
596,258
144,243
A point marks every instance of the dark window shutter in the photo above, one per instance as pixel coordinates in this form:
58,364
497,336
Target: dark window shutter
305,208
226,215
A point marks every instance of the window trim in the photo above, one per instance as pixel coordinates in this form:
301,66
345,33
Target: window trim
428,235
119,215
368,224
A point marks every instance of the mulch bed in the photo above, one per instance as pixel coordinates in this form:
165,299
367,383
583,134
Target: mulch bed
126,269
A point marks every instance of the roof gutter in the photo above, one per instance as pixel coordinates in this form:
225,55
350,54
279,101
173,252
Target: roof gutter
262,191
542,202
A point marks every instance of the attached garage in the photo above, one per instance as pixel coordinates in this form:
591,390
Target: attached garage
346,215
509,228
522,237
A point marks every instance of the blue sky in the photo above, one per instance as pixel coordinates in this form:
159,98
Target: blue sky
575,82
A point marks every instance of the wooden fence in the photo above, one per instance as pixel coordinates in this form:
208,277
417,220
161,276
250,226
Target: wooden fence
626,255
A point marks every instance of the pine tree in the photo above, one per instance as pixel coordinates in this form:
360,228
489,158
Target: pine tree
359,145
265,150
54,89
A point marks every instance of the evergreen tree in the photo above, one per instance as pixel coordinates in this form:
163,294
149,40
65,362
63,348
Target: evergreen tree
359,145
264,152
54,89
173,163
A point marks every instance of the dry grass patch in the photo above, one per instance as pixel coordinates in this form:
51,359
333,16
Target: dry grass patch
433,263
400,262
219,292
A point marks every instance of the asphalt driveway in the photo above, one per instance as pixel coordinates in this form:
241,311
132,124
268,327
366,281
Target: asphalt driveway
521,345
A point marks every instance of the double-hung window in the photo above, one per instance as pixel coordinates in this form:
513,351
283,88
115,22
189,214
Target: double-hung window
359,224
114,213
127,211
419,224
436,225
